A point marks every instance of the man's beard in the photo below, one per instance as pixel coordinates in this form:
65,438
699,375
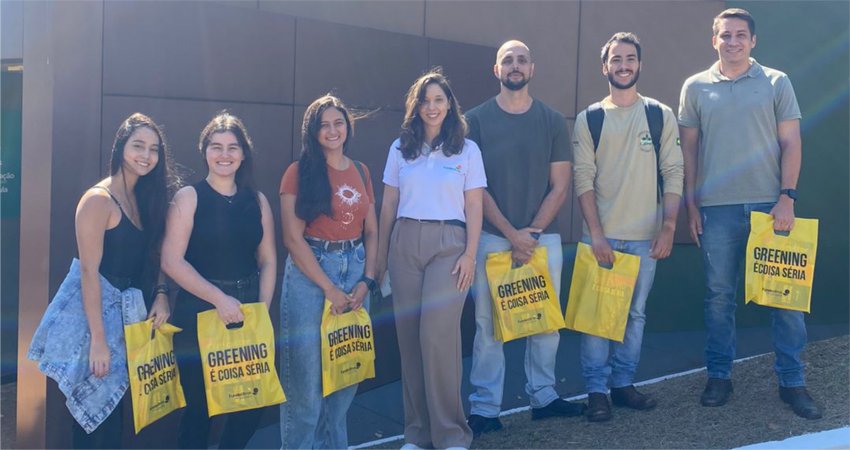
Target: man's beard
515,85
619,85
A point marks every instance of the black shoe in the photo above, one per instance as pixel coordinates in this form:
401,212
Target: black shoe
598,409
629,397
558,408
800,401
480,424
717,392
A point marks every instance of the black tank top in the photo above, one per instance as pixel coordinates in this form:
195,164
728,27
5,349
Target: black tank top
222,247
225,234
124,251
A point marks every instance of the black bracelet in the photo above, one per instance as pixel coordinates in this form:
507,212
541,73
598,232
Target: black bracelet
161,289
370,283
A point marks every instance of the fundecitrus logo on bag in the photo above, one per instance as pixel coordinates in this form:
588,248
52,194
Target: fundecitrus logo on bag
160,403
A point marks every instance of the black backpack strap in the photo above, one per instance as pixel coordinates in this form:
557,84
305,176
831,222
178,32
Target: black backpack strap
595,116
361,171
655,119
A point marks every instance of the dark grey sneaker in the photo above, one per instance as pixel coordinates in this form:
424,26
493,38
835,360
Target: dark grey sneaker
480,424
558,408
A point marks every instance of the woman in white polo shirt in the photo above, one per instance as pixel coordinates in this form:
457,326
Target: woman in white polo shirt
429,228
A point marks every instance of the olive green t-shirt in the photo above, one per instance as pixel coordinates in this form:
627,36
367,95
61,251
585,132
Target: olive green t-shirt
517,150
739,155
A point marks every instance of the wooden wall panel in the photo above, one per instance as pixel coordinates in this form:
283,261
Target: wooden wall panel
197,50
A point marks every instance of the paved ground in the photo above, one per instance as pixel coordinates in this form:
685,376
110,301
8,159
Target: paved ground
378,413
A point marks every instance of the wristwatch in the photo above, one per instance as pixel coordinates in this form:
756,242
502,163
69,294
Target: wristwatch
370,283
791,193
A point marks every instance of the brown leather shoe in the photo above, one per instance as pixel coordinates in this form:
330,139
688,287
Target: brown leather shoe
598,409
800,401
629,397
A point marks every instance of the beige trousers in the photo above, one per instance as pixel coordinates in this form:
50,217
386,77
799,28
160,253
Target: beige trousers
428,306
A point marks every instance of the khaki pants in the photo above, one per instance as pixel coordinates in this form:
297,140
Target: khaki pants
427,309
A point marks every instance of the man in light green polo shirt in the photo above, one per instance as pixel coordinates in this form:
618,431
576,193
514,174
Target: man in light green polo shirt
740,133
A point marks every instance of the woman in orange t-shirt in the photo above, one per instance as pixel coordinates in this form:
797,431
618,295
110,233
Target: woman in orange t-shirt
327,207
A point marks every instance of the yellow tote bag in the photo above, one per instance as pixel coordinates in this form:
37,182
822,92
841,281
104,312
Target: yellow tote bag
154,378
780,269
524,300
348,349
600,298
239,371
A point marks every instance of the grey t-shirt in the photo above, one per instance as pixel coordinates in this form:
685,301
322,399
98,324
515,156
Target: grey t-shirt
739,155
517,150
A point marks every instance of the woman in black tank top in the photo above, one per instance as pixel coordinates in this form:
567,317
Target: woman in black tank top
219,247
119,225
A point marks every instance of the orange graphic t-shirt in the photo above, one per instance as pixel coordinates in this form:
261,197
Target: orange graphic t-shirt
350,201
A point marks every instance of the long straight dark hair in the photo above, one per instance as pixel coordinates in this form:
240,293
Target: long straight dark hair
222,123
152,191
314,186
452,132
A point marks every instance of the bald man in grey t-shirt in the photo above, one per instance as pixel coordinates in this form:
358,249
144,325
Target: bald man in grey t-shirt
739,124
527,156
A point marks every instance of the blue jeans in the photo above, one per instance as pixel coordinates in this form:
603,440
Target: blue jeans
596,366
488,360
724,242
308,420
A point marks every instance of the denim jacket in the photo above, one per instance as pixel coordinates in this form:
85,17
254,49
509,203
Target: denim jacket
61,343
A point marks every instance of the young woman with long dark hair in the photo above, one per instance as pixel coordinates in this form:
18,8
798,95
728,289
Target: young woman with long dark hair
219,247
119,226
331,231
431,219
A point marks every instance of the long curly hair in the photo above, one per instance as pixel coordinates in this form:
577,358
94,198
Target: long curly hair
452,132
314,186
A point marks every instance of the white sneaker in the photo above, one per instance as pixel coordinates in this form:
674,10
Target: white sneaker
409,446
456,448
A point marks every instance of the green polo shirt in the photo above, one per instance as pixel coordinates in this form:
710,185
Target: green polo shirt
739,154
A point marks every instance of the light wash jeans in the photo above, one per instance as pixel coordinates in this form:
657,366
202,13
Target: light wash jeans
61,344
308,420
488,360
725,230
598,364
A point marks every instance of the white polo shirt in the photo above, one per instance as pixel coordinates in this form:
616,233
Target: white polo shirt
432,186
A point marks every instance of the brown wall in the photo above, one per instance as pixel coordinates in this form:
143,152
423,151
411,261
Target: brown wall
181,62
565,38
